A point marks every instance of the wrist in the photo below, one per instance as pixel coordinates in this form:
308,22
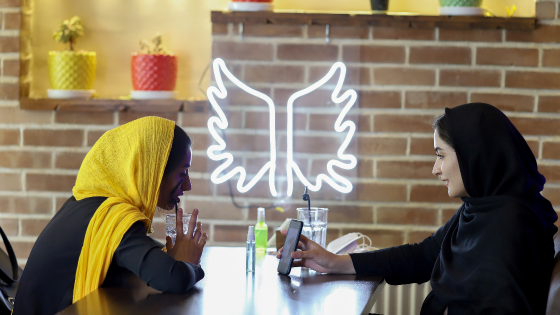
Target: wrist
343,265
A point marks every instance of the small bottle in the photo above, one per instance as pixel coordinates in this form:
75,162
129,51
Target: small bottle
251,249
261,231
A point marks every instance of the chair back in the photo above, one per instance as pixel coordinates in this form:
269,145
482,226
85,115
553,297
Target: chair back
553,304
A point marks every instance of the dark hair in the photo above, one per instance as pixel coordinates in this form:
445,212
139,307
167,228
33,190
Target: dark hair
440,125
181,142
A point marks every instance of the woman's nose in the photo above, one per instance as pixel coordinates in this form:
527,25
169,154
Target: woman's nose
186,185
437,168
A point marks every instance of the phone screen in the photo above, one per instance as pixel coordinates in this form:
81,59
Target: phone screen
290,245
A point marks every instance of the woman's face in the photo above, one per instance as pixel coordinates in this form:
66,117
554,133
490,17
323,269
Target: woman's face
173,185
447,168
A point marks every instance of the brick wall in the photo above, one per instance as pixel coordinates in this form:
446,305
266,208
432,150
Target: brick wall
404,77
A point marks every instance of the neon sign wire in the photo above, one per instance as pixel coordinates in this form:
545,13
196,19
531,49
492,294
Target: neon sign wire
340,125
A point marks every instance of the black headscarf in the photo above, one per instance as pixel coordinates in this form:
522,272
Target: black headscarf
497,254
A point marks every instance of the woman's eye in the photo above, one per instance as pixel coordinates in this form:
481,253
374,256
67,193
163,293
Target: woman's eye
439,156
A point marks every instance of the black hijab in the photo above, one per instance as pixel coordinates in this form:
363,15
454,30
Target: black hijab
497,254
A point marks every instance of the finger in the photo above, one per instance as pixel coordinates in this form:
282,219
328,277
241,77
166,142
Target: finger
298,263
192,222
168,243
309,254
179,224
284,232
203,239
198,231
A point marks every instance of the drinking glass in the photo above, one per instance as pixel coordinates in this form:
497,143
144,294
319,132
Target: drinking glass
171,225
314,224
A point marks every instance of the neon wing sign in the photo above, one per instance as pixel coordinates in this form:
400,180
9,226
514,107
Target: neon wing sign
217,152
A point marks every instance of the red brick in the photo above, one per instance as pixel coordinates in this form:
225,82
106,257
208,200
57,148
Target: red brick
126,117
446,214
363,169
11,68
404,169
9,226
380,238
534,146
236,70
214,210
260,190
22,249
409,216
536,126
377,192
93,136
472,35
551,58
237,96
9,91
59,202
403,76
418,236
201,141
69,160
403,33
90,118
46,137
269,30
373,53
506,102
196,119
314,145
433,99
10,181
9,44
12,21
549,104
274,74
403,123
317,98
311,52
507,57
219,28
260,120
430,193
551,150
201,187
25,159
234,119
422,146
450,77
552,194
33,227
48,182
551,173
542,34
379,99
440,55
326,122
231,233
240,142
545,10
14,115
9,3
381,146
241,51
27,205
9,136
338,31
354,75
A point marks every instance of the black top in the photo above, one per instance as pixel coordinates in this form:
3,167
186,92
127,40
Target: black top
495,255
47,283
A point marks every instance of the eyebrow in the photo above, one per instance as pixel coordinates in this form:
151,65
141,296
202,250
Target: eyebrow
438,149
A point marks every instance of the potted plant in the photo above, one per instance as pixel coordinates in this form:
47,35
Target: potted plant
154,71
71,73
460,7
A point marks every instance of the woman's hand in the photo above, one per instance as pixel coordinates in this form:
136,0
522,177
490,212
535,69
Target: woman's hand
188,247
314,256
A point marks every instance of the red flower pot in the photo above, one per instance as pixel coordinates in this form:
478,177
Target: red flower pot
153,72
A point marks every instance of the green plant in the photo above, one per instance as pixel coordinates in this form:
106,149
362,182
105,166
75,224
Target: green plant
155,47
69,31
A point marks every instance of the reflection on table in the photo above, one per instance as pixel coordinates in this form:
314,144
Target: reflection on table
228,289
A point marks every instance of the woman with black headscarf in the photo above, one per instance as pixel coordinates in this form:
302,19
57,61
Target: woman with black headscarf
495,255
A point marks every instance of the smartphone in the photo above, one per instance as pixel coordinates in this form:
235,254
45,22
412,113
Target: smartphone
290,245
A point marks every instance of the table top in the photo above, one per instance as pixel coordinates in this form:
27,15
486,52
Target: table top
228,289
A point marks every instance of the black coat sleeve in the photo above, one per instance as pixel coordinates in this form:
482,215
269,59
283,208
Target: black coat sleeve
140,254
409,263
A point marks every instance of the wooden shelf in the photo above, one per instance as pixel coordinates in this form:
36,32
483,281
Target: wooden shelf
168,106
383,20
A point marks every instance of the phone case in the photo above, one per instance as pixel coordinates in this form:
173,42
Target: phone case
289,264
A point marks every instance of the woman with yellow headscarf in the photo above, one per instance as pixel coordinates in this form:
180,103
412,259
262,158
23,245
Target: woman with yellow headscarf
101,231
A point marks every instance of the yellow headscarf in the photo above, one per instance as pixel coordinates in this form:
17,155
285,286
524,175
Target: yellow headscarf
125,165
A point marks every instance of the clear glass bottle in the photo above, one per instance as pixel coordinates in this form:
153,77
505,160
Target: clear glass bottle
261,231
251,250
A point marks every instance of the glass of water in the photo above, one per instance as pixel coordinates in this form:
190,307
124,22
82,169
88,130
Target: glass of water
314,224
171,225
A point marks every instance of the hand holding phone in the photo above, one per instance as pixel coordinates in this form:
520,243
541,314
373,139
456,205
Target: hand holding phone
290,245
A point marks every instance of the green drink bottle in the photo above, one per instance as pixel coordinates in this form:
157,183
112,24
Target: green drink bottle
261,231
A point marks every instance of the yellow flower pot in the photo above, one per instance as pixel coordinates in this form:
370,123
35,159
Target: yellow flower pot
72,70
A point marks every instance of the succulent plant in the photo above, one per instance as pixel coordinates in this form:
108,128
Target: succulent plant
153,47
69,31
